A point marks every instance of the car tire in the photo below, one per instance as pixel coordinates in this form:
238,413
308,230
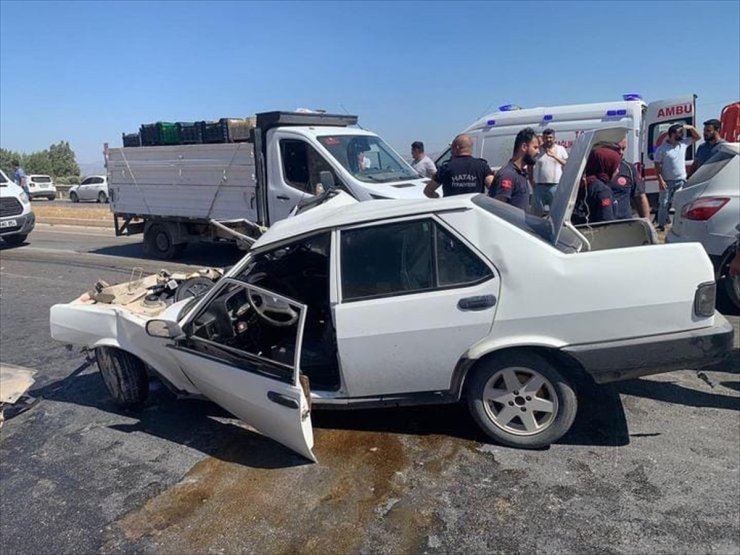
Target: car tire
124,376
102,197
73,197
15,239
159,242
731,288
504,395
51,197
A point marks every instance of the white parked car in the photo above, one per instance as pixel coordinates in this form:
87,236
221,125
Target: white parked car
16,216
708,211
41,186
393,302
94,188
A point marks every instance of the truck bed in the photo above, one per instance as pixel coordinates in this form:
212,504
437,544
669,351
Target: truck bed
185,181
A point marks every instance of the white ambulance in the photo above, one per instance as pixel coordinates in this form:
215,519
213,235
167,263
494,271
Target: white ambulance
647,123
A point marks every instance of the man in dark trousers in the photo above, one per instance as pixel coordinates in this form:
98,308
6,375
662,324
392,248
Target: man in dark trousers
462,174
511,184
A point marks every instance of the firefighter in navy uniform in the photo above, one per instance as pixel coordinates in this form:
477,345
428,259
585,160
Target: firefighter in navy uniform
595,202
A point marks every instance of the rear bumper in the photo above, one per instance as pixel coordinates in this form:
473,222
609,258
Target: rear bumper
631,358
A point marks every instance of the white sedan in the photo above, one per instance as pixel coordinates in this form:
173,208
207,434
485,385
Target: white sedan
387,303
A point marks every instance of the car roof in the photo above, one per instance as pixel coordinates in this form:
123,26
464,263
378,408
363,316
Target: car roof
343,210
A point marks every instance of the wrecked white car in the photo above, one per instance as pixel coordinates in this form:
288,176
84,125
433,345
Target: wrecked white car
422,301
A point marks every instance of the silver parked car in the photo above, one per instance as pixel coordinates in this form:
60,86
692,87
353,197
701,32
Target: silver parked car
708,211
94,188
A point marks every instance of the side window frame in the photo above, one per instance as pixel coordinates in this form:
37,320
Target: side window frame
652,140
311,152
437,224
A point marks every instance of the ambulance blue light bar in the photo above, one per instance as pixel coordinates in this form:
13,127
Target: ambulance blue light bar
548,117
614,113
508,108
491,122
631,96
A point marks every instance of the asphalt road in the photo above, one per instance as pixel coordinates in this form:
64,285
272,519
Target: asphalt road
651,465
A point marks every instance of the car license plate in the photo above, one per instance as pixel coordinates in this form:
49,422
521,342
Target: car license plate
8,223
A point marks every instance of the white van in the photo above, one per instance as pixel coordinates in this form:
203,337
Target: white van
647,123
16,217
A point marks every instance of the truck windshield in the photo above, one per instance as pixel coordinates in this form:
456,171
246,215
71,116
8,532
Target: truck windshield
367,158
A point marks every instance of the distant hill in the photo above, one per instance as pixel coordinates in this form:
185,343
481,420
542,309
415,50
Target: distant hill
91,168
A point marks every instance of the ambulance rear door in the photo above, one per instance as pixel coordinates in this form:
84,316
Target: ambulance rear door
659,116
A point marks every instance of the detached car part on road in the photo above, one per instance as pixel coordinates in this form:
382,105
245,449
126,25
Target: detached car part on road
366,304
16,216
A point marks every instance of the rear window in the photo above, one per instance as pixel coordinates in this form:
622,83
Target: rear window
41,179
710,168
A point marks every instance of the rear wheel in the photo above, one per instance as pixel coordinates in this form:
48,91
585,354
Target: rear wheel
731,287
102,197
15,239
124,376
73,197
160,242
51,197
519,399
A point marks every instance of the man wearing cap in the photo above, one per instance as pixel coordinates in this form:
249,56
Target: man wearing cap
707,149
463,174
511,184
547,171
670,167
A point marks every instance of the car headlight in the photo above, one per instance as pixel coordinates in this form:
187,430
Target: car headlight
24,197
704,299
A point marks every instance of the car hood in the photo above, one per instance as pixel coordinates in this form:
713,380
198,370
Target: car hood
564,199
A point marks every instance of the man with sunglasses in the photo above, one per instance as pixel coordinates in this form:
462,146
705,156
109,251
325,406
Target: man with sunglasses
670,166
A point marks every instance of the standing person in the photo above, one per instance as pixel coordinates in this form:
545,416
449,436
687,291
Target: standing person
547,171
670,167
422,163
595,202
628,185
511,183
462,174
19,176
711,139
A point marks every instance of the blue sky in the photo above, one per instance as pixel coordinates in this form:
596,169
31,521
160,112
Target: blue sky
87,71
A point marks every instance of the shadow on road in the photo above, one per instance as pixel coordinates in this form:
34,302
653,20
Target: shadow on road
200,254
191,423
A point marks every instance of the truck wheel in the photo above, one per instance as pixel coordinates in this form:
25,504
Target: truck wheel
73,197
159,242
124,376
15,239
520,400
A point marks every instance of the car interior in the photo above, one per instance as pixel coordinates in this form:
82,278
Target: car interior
252,321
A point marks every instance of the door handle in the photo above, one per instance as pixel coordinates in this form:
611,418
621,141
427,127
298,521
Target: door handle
283,197
283,400
481,302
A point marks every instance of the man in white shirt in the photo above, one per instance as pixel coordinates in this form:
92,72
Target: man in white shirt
546,173
422,163
670,166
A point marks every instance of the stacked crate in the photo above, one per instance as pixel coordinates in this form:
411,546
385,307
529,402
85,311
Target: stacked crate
225,130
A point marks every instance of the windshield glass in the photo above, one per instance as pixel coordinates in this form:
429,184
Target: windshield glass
368,158
710,168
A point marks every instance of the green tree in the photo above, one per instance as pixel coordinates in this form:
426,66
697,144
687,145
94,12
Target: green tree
6,161
63,160
38,162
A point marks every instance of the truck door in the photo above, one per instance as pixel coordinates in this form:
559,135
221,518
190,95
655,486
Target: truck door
293,169
659,117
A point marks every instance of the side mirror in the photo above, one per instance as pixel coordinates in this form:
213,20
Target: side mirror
163,328
326,178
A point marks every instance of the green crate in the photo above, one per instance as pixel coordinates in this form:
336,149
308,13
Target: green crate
169,134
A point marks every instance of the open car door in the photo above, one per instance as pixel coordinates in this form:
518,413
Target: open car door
660,115
241,349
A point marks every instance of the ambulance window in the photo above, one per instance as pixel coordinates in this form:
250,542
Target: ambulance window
498,150
658,132
445,157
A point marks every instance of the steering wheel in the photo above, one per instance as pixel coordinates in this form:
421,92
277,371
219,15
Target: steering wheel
264,304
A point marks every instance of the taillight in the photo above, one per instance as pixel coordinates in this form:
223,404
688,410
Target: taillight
704,299
703,208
